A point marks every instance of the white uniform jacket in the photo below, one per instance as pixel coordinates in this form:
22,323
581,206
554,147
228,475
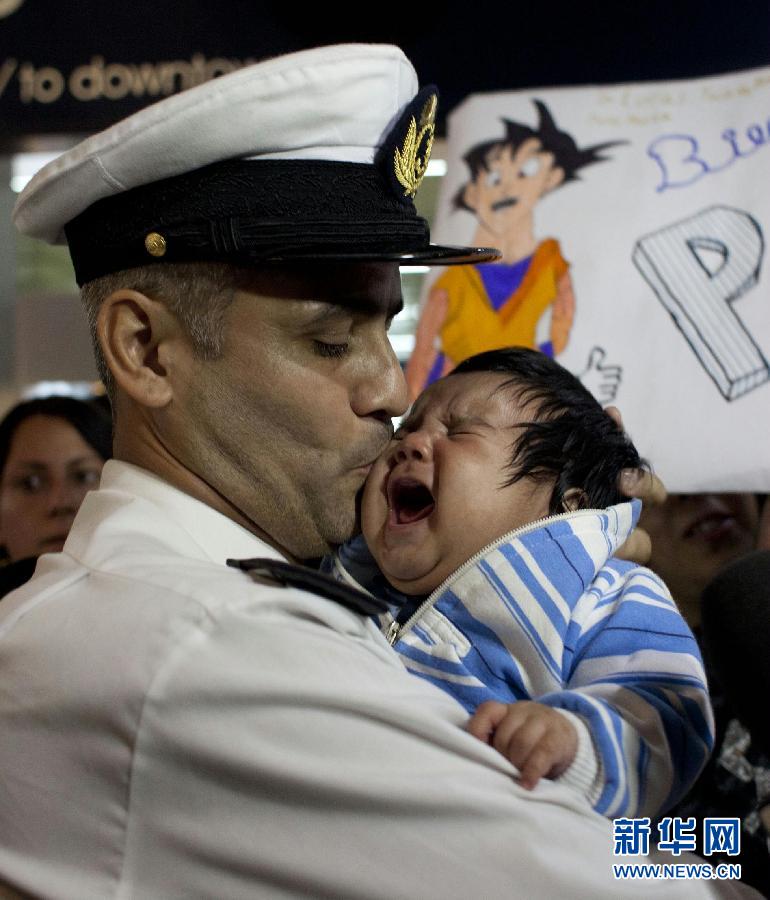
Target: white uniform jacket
173,728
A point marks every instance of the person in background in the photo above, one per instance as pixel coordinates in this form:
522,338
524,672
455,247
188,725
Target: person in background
52,451
695,537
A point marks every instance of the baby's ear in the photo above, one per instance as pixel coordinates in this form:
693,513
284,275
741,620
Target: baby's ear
574,498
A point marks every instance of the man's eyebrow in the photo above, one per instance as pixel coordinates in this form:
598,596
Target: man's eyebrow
347,306
325,312
385,306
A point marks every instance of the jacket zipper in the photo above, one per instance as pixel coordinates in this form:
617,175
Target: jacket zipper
396,629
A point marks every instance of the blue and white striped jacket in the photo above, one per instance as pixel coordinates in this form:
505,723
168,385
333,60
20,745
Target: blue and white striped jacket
547,613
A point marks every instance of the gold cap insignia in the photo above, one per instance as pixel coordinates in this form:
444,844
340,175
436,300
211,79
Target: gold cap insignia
155,244
411,161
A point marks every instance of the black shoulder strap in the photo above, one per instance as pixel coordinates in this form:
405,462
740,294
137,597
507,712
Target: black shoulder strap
288,575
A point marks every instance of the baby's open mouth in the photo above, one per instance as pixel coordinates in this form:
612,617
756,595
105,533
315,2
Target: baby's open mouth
409,500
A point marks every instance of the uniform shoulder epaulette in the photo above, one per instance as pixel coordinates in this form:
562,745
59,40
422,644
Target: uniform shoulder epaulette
289,575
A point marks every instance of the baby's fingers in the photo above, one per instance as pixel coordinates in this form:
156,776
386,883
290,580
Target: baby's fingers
537,765
485,720
518,735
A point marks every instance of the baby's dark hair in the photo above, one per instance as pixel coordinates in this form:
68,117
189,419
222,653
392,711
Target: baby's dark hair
571,440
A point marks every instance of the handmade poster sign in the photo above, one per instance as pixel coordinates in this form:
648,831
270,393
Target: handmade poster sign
632,221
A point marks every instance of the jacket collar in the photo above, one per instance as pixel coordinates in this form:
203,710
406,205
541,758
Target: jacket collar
592,536
160,518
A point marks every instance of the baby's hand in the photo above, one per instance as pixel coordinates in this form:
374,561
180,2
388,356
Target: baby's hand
537,739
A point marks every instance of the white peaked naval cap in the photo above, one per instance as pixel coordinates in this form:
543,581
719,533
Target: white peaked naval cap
313,155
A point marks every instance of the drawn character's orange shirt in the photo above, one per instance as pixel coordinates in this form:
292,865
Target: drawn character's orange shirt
472,325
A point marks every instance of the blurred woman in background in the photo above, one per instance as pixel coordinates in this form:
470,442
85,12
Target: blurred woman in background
694,536
51,454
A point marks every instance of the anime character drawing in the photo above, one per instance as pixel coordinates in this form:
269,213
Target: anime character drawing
527,298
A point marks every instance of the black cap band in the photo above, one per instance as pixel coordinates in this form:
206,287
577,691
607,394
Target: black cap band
258,211
245,212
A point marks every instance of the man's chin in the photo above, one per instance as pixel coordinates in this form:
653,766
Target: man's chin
336,533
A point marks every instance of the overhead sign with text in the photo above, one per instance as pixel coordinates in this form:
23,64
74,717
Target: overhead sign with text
79,67
633,222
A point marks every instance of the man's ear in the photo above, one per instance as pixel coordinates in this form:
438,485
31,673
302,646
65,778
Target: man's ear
555,178
137,335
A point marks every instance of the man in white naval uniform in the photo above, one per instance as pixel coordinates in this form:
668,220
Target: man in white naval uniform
177,727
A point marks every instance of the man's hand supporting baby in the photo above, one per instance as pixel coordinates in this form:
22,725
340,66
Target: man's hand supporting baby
537,739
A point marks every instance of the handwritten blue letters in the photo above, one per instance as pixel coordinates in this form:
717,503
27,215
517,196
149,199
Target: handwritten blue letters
682,162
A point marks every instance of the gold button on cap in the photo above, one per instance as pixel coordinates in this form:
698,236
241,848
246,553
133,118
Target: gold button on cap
155,244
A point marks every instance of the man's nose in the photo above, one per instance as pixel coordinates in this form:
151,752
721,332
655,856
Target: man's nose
382,392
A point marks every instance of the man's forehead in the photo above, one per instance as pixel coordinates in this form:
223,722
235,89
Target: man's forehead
324,290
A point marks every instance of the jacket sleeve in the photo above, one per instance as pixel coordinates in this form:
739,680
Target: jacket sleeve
633,672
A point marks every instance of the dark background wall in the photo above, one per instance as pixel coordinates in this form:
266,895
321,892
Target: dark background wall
77,66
